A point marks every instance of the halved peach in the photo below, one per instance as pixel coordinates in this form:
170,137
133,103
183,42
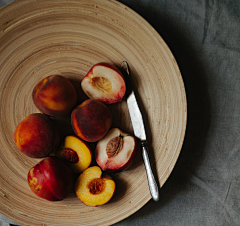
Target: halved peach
116,151
76,152
105,83
93,189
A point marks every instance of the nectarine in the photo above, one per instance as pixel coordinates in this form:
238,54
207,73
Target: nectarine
36,136
105,83
93,189
55,95
91,120
51,179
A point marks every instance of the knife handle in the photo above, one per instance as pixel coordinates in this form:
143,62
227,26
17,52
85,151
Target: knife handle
153,187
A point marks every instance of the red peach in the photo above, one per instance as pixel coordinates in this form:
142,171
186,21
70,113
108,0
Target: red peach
55,95
51,179
91,120
36,136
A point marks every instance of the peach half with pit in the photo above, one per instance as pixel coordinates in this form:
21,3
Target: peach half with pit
76,152
91,120
94,189
37,136
51,179
116,151
54,95
104,82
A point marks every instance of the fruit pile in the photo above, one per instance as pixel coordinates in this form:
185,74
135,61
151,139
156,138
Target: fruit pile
63,160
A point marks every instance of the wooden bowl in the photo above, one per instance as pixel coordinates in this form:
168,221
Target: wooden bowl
41,38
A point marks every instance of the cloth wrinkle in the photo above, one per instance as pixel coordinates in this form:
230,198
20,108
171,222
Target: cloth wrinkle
228,192
200,183
208,15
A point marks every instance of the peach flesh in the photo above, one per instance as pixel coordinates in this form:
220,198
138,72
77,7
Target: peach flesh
91,120
104,82
94,189
116,151
55,96
76,152
36,136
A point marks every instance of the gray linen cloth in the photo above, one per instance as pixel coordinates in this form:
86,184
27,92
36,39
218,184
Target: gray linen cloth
204,188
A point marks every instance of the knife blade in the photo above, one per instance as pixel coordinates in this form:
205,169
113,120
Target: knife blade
139,132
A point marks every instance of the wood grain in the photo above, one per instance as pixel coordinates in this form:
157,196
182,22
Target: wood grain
41,37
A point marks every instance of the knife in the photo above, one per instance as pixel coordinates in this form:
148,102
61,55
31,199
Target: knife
139,132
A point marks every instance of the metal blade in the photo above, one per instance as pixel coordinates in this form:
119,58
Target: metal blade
135,113
136,117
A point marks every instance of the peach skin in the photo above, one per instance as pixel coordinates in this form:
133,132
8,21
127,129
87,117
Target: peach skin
91,120
36,136
51,179
55,96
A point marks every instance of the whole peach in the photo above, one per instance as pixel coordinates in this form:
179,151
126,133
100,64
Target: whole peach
54,95
36,136
91,120
51,179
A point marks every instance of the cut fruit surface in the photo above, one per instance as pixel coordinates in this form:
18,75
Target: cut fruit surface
105,83
116,150
76,152
93,189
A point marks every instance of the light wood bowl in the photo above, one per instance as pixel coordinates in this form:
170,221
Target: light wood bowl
40,38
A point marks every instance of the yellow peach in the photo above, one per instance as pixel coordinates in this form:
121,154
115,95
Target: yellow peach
93,189
76,152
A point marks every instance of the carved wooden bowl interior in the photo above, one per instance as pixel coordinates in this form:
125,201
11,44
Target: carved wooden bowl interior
41,38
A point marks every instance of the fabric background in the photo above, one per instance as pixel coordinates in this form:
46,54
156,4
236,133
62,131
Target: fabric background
204,187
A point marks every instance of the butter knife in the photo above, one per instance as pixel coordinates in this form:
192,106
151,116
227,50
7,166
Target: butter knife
139,132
